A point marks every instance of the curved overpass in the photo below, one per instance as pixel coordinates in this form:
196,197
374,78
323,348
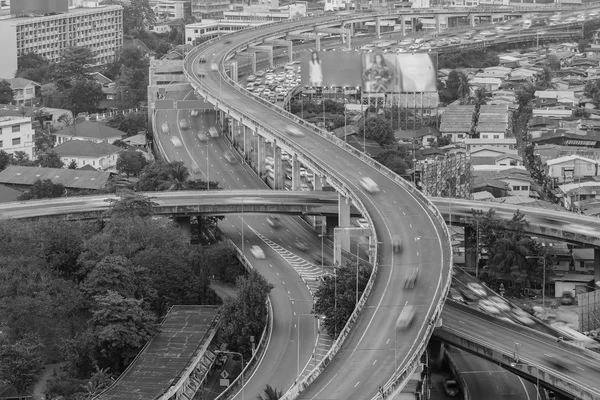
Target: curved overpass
366,358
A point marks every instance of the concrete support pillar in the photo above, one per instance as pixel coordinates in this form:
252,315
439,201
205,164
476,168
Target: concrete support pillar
295,173
437,22
344,219
277,167
317,182
471,20
470,249
262,154
247,142
318,43
254,63
349,39
185,225
596,265
402,26
291,51
378,27
271,62
234,71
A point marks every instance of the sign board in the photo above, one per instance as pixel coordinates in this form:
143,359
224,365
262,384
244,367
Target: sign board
163,105
224,382
224,374
194,105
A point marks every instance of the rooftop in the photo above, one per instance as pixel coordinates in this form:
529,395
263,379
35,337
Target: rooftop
71,13
69,178
570,158
182,335
457,119
85,148
91,129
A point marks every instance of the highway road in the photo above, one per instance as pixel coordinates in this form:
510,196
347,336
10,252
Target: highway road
486,380
367,357
536,349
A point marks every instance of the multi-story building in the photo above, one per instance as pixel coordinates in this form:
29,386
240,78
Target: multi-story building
17,134
100,29
211,9
168,10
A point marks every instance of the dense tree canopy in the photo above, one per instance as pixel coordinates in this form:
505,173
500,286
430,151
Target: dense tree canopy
131,162
398,161
6,92
45,189
378,128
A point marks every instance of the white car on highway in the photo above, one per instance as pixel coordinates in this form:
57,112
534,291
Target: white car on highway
500,303
406,317
175,141
294,131
257,252
369,185
488,307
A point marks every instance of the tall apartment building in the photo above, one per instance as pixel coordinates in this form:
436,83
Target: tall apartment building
100,29
17,134
211,9
167,10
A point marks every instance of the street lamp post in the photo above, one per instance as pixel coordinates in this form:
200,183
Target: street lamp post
242,218
242,373
543,279
298,355
476,246
449,205
207,170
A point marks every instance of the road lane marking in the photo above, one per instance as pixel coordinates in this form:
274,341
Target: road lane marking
374,362
357,384
387,341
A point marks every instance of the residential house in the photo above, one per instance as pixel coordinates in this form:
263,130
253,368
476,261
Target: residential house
494,122
510,182
525,73
503,160
568,168
487,83
23,90
52,114
476,143
495,72
553,112
22,178
457,122
109,90
552,151
90,131
572,283
491,151
101,155
573,193
17,134
548,98
566,137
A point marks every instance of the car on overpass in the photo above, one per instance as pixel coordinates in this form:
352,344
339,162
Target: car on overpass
194,113
164,127
257,252
273,221
397,244
293,131
369,185
406,317
183,124
411,278
229,157
203,137
175,141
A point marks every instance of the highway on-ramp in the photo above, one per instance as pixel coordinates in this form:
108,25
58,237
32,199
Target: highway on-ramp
367,359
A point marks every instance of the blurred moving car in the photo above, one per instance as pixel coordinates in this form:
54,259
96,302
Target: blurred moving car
411,278
301,245
203,137
522,317
294,131
369,185
500,303
567,298
257,252
273,221
456,296
488,307
397,244
304,187
183,124
451,387
229,156
194,113
175,141
477,289
406,317
164,127
319,258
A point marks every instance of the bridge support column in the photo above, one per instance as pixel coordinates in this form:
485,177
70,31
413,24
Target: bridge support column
185,225
378,27
253,61
402,26
247,143
295,173
472,20
344,220
349,39
262,154
271,61
234,71
317,182
596,265
318,43
291,51
437,23
277,167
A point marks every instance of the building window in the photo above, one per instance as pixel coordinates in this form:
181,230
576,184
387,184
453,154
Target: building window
516,188
496,136
16,128
0,144
16,141
484,136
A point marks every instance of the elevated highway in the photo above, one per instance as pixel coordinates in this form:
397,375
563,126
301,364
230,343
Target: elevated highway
365,357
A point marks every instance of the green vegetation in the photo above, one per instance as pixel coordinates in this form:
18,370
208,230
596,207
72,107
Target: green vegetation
472,58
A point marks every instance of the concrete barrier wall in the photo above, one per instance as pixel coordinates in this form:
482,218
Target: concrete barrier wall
458,375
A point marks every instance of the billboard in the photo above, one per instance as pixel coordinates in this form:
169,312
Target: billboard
373,72
20,7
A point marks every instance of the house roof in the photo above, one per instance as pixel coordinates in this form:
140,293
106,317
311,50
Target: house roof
69,178
21,83
570,158
8,194
91,129
495,178
497,149
103,80
457,119
85,148
482,196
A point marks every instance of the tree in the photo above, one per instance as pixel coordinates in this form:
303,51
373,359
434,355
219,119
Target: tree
544,79
552,62
7,95
83,96
73,165
525,94
398,161
72,67
131,123
480,97
245,315
131,204
45,189
592,90
21,363
338,310
161,176
131,162
379,129
32,66
22,159
581,112
270,393
51,96
114,273
120,326
50,160
583,45
138,15
61,248
442,141
5,160
458,85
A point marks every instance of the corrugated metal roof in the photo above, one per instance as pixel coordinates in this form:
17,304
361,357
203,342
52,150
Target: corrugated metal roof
69,178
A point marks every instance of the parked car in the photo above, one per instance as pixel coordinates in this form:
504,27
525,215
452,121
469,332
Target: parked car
301,245
257,252
294,131
567,299
194,113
